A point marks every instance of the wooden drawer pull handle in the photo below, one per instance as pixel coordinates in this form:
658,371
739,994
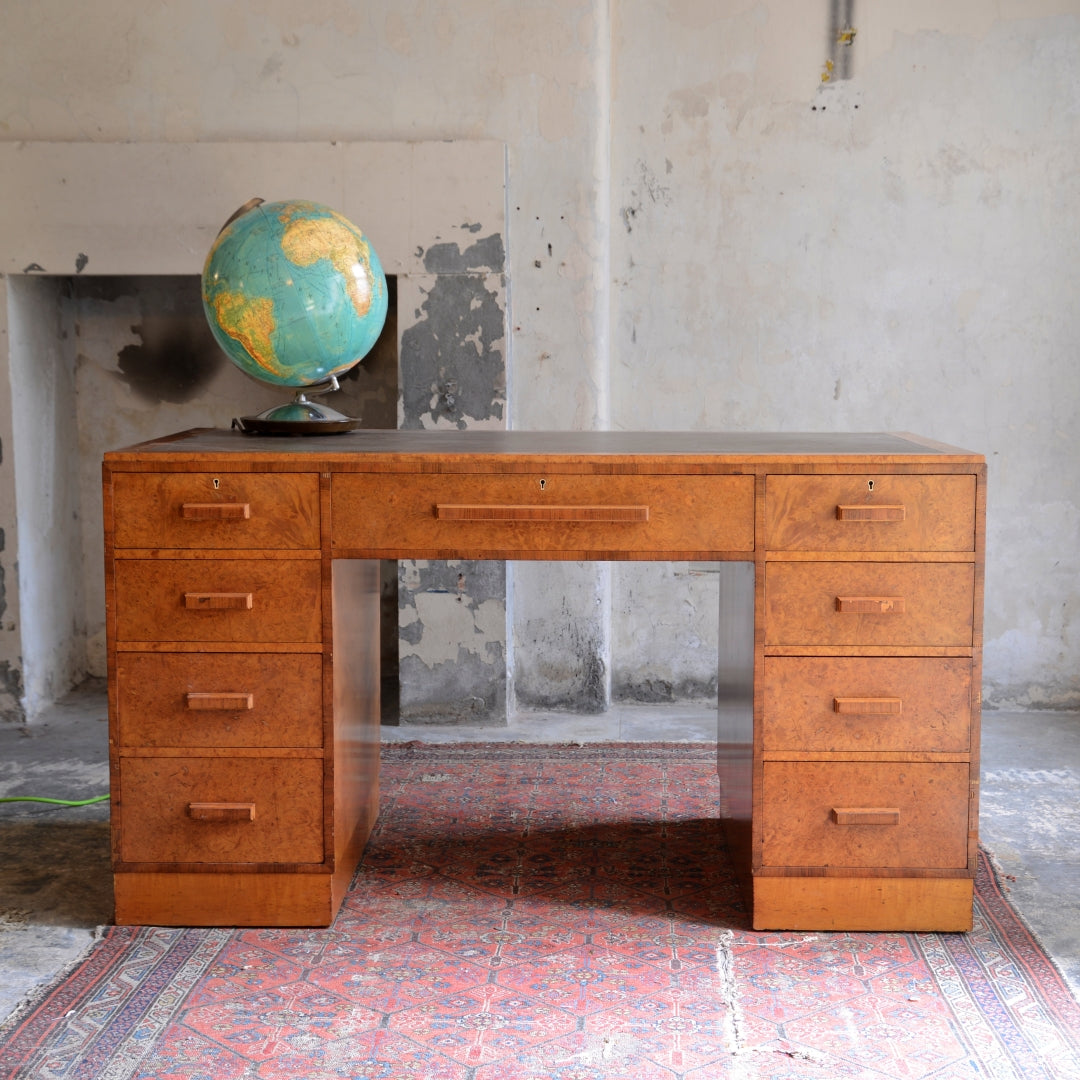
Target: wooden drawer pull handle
202,702
880,512
868,706
870,605
218,601
215,511
451,512
866,815
221,811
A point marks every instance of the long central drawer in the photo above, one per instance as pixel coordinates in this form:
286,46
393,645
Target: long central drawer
538,515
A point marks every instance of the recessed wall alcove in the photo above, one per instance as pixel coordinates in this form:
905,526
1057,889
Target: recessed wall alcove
101,246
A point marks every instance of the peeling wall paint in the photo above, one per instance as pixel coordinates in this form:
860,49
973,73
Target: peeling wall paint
451,641
452,616
453,370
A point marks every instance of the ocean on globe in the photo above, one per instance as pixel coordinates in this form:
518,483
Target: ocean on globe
293,292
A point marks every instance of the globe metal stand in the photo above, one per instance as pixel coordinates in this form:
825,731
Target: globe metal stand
300,416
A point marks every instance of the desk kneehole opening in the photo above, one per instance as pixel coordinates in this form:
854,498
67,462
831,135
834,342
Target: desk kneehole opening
866,815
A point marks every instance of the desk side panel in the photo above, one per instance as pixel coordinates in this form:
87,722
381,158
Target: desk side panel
735,729
353,675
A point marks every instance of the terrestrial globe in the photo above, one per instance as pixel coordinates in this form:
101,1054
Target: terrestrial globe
295,295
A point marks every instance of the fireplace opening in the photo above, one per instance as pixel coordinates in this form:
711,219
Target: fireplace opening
103,362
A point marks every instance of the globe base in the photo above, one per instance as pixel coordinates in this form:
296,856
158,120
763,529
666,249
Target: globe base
297,417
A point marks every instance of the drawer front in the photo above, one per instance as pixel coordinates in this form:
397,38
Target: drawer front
536,515
871,704
870,513
865,814
225,600
216,810
865,604
216,510
219,699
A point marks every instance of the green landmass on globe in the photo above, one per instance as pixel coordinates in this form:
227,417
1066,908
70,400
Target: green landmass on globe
293,292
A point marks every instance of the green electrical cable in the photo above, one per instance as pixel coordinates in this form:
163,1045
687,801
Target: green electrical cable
56,802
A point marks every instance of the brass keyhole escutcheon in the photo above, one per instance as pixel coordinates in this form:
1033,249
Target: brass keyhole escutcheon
543,484
217,483
870,485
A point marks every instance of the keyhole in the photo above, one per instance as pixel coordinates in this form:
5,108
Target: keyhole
217,483
870,484
543,484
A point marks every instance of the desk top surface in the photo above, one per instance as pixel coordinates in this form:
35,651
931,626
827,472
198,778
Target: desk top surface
208,444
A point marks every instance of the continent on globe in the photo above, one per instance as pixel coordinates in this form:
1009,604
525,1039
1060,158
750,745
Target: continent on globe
293,292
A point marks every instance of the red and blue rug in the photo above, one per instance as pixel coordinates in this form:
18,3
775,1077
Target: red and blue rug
552,913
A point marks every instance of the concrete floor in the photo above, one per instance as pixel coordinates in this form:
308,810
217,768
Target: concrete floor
55,887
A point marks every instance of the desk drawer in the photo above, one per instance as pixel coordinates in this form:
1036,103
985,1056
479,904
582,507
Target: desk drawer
869,704
216,810
216,510
219,699
541,515
870,513
866,604
222,600
865,814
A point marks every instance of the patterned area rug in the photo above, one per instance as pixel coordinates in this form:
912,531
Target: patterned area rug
536,912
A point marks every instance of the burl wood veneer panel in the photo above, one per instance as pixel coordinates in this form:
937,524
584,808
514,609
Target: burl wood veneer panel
870,512
169,815
864,603
216,510
537,514
219,699
852,703
272,600
865,814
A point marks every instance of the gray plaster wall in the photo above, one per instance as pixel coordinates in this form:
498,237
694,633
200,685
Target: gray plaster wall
701,233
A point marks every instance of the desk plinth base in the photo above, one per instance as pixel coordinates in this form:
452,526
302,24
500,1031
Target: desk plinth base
863,903
179,899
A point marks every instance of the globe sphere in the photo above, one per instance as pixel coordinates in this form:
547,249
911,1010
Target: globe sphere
293,292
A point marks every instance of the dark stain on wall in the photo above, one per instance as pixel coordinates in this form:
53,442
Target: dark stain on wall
173,363
178,355
452,363
658,691
572,679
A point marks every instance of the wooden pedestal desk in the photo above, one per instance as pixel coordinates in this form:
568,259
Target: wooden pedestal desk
242,607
